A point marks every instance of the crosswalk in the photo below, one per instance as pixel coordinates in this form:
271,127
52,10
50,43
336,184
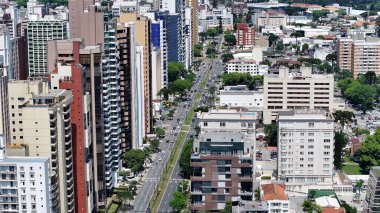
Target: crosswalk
173,180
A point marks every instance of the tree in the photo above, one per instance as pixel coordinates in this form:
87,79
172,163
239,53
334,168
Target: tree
212,32
362,94
344,84
179,201
343,74
197,130
271,134
203,36
210,52
359,131
124,194
183,186
227,57
160,132
348,208
369,151
154,144
258,194
133,187
197,52
341,12
184,160
317,14
332,57
180,86
311,207
227,207
272,39
175,71
359,185
344,117
340,141
229,38
280,46
370,77
252,82
134,159
305,47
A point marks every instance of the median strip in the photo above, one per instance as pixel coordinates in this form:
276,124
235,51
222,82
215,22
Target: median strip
177,149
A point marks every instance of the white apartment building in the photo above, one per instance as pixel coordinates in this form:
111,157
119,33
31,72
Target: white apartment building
269,19
240,96
26,184
188,38
208,19
372,203
42,120
4,112
39,31
246,66
296,90
120,6
305,149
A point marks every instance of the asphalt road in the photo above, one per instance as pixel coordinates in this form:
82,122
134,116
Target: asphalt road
153,174
176,179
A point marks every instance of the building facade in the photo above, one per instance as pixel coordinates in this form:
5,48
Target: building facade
359,56
371,202
69,75
33,110
245,36
214,18
270,19
39,31
296,90
246,66
222,159
240,96
306,149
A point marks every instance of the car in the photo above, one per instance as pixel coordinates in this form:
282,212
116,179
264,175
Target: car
172,141
167,141
160,159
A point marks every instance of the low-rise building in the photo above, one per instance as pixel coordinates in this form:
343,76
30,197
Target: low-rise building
212,18
240,96
246,66
275,197
270,19
250,206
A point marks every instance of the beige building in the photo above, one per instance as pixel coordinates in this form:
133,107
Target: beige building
142,34
359,56
296,90
268,19
41,120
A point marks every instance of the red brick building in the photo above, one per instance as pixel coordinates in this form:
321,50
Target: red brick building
245,36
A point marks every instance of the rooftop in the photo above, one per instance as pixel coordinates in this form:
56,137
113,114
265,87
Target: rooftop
228,114
327,202
304,114
24,160
333,210
274,192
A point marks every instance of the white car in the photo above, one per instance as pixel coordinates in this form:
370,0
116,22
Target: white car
160,159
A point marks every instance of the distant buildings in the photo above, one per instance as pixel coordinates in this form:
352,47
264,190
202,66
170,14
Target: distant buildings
39,31
371,202
222,159
359,55
240,96
246,66
245,36
306,150
215,18
296,90
270,19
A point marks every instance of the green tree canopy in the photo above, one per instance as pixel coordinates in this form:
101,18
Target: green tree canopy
344,117
320,14
160,132
340,141
135,159
252,82
271,134
227,207
227,57
179,201
184,160
175,71
229,38
370,150
179,86
359,93
212,32
154,144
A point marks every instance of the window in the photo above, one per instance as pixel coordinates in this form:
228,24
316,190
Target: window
310,153
221,198
311,134
326,140
311,125
326,146
326,159
302,134
223,124
310,147
310,165
326,153
204,123
301,159
310,159
326,166
13,106
310,140
302,146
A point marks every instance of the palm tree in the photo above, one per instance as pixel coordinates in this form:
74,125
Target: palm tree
359,185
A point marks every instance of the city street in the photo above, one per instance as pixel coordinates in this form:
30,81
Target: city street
153,174
175,179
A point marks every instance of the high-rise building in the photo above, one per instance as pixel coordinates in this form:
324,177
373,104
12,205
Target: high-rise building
42,120
359,55
39,31
245,35
26,184
305,149
68,74
172,23
371,202
10,16
270,19
187,37
222,159
159,41
4,112
296,90
194,8
142,35
9,53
